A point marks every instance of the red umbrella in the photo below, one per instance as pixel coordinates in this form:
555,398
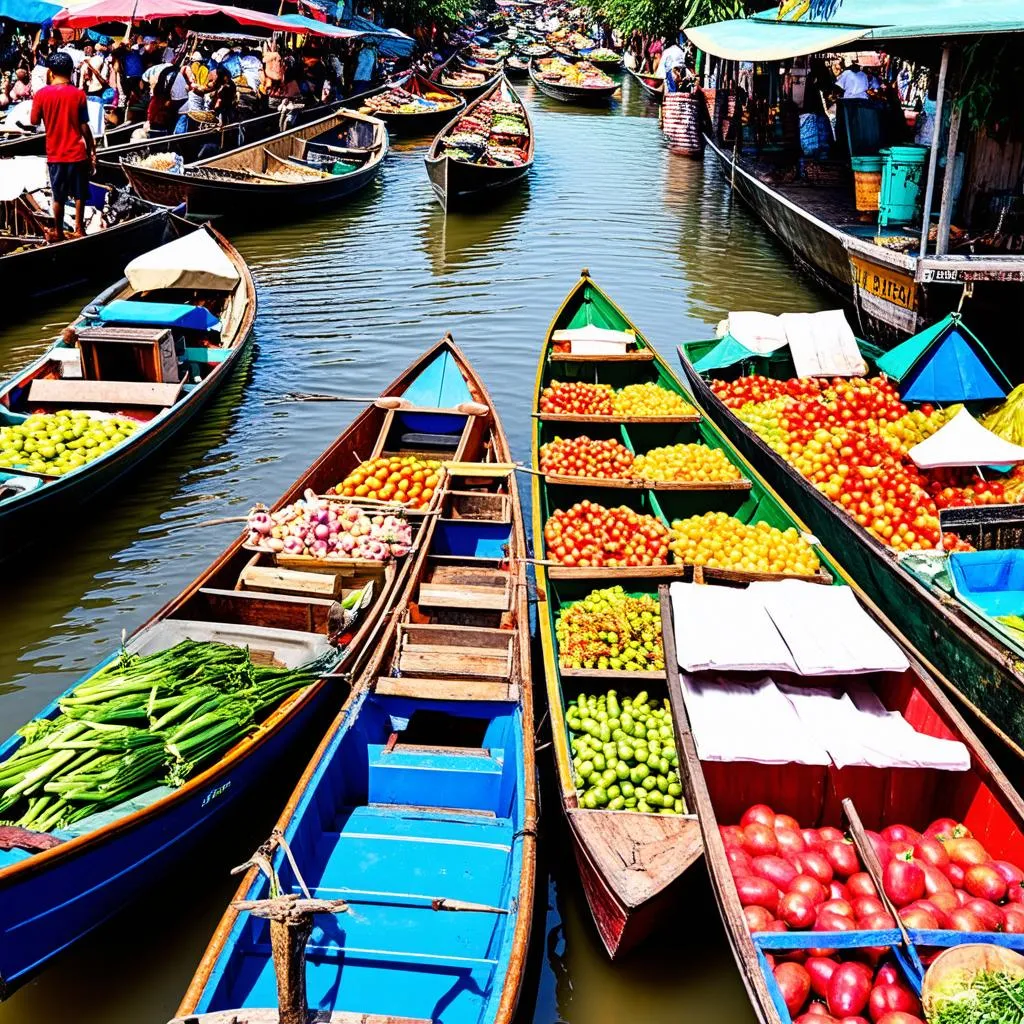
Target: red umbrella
102,11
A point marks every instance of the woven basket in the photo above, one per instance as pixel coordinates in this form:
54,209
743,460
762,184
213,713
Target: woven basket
202,116
866,186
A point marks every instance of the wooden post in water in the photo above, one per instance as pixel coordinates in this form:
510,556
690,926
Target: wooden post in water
291,923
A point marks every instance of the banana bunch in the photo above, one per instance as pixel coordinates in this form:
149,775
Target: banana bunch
1007,420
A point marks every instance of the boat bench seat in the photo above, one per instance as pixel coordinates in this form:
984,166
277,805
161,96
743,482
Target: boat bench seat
415,439
467,596
119,393
426,688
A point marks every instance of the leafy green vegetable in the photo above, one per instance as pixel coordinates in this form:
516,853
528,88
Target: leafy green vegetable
989,997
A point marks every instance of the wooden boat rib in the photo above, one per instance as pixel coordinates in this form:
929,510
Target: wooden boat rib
51,898
458,182
977,663
593,95
435,748
283,172
981,797
455,66
446,104
31,266
652,85
84,369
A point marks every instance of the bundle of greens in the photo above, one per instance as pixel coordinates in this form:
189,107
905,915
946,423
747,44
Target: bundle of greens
991,997
139,720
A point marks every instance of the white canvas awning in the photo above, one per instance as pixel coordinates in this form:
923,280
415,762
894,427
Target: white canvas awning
193,261
591,340
963,441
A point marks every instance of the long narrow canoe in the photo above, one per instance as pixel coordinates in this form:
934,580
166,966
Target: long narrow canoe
458,181
980,796
50,899
461,78
411,105
957,644
594,94
419,807
304,168
630,863
652,85
196,289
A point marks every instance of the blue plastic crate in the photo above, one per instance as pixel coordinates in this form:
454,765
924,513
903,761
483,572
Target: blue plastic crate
990,580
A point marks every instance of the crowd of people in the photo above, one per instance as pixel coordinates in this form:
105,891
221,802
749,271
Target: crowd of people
167,81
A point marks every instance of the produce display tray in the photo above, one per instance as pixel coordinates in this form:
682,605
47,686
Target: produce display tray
611,674
643,356
741,576
563,417
384,507
344,566
648,485
612,573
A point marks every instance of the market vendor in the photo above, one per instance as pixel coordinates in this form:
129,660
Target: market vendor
673,67
70,149
853,82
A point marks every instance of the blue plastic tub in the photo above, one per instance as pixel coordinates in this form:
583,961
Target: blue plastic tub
990,580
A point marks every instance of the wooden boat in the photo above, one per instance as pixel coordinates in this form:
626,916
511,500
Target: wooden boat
631,864
412,105
441,722
51,898
607,60
537,49
816,795
470,82
517,68
652,85
291,171
32,267
588,95
458,182
955,642
484,58
201,141
121,355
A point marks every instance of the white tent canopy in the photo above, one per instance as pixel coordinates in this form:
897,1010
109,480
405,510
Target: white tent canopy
193,261
963,441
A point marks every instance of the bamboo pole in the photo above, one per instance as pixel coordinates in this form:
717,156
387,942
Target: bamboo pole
946,209
933,158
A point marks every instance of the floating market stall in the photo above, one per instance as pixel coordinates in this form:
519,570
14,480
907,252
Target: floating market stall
579,82
856,200
411,105
844,451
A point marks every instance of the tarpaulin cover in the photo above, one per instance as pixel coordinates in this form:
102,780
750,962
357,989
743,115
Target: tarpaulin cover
390,42
303,24
194,261
102,11
789,625
760,332
963,441
158,314
29,12
21,174
728,352
823,344
764,37
770,722
945,363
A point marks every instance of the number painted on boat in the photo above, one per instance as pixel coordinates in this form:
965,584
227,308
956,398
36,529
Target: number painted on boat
214,793
884,283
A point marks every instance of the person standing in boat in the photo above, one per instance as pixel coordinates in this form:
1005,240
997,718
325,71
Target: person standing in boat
365,67
70,148
673,64
853,82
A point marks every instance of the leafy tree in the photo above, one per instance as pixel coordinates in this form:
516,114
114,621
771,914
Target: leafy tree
663,18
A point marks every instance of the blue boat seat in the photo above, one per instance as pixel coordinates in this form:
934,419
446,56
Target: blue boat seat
422,776
158,314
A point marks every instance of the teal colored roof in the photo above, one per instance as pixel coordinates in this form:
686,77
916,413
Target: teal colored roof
945,363
764,37
29,12
727,352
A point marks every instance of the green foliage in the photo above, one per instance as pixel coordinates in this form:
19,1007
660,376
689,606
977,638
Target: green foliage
665,17
408,15
989,93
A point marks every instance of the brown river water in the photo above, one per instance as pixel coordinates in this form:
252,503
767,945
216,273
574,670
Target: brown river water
346,300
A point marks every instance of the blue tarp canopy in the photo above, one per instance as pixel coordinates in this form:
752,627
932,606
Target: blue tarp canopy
764,37
945,363
390,42
29,12
728,352
304,24
158,314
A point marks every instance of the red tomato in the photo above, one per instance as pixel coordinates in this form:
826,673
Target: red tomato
876,922
929,850
757,892
795,984
841,907
985,881
899,1017
760,814
860,884
989,914
758,918
797,911
820,969
813,1016
1013,919
955,874
837,891
759,840
829,834
903,881
865,906
786,821
935,880
966,852
893,833
740,862
964,920
816,864
947,828
790,841
916,917
945,900
830,922
777,870
886,998
843,858
810,887
1011,874
812,841
849,989
732,835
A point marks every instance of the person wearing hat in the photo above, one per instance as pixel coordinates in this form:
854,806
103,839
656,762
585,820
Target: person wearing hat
70,149
853,82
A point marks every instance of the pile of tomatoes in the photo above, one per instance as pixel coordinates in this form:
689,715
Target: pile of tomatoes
577,399
827,990
582,456
757,388
793,878
588,534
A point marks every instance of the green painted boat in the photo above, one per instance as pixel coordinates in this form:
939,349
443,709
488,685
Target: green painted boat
956,642
628,903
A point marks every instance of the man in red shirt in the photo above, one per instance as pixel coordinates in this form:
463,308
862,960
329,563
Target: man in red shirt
70,150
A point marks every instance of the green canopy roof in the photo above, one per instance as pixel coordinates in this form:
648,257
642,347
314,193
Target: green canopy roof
764,37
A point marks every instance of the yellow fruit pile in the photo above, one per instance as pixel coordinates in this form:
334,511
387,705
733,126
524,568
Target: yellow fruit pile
915,427
402,478
721,541
692,462
56,443
649,400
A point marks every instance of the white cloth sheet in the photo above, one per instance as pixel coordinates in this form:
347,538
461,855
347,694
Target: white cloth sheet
192,261
823,344
963,441
591,340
